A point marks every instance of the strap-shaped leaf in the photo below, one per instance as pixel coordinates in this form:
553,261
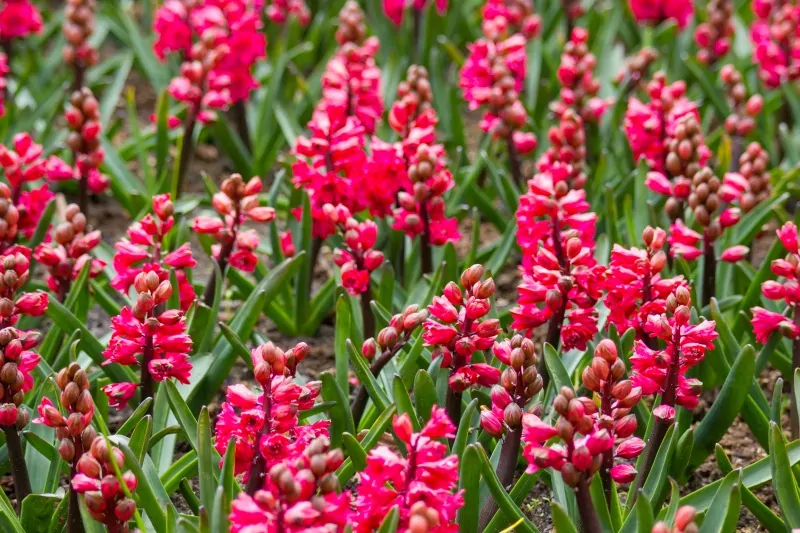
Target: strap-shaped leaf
656,481
561,520
558,373
519,492
354,450
146,493
644,513
600,505
187,421
783,479
776,408
504,502
130,424
763,514
403,401
37,510
723,514
341,417
725,408
205,464
237,344
139,441
462,434
469,481
344,319
185,466
424,395
390,523
682,454
366,378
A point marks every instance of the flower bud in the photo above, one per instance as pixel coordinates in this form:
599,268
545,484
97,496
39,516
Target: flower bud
369,349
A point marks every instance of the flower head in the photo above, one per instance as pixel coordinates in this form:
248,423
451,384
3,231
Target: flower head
657,11
19,19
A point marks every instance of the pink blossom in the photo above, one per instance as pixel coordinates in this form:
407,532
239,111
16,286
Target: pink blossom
734,254
425,481
19,19
657,11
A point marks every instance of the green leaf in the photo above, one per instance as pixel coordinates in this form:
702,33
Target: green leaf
204,461
764,514
139,441
390,523
555,368
341,416
37,511
403,401
145,493
344,321
783,480
561,520
462,434
188,423
237,345
644,513
501,497
723,514
469,482
600,505
424,395
375,433
354,451
366,378
725,408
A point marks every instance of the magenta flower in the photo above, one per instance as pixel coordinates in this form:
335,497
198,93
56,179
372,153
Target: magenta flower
664,371
142,251
103,494
279,11
357,260
301,495
265,426
579,87
422,484
502,18
395,9
635,288
458,327
657,11
236,204
19,19
19,361
561,279
775,35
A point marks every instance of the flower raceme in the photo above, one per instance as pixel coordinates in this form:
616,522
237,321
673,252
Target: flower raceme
69,252
657,11
664,371
634,286
205,33
79,24
395,9
458,327
618,396
301,494
19,19
236,203
18,362
518,384
579,87
106,499
503,18
766,322
142,250
422,485
155,340
264,427
357,260
14,273
279,11
83,119
776,45
561,278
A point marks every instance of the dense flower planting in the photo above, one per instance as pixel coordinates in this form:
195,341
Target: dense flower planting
412,266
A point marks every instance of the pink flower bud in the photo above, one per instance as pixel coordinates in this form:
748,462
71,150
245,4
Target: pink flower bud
623,473
734,254
491,424
402,427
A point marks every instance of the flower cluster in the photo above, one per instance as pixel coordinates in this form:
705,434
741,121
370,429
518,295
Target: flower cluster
584,444
502,18
561,278
713,37
664,371
766,322
565,158
14,273
422,484
25,163
142,251
657,11
77,28
359,258
395,9
74,431
745,110
776,41
18,361
236,203
83,119
106,499
685,155
69,252
683,523
422,212
301,494
264,427
146,336
636,67
579,87
492,77
458,327
518,384
635,288
279,11
604,376
19,19
394,336
751,184
205,33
